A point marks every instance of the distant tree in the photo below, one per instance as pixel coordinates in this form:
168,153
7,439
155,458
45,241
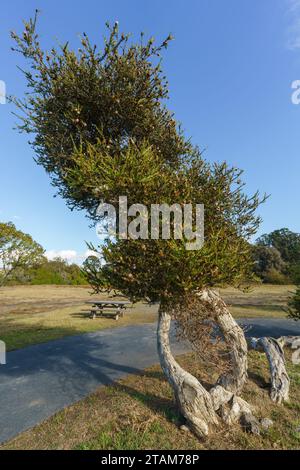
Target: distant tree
267,258
18,250
56,271
92,267
268,264
76,276
285,241
276,277
288,244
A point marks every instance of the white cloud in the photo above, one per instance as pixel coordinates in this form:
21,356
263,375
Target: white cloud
71,256
293,32
90,253
68,255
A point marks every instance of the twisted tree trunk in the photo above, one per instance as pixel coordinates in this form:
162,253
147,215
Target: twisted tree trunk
235,339
194,402
200,408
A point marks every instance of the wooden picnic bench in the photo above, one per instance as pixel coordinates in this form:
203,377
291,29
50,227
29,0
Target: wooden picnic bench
108,308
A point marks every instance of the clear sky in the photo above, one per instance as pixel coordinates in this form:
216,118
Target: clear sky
230,70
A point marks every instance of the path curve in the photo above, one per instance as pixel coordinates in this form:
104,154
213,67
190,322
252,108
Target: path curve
39,380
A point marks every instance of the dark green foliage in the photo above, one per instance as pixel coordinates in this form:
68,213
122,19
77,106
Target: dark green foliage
268,265
287,243
92,269
276,277
267,258
294,273
56,271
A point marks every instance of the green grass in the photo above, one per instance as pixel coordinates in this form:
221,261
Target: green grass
126,439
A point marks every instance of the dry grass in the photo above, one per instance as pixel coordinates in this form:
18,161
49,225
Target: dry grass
138,413
36,314
263,300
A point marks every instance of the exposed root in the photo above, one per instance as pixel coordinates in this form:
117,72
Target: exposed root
280,382
230,407
292,342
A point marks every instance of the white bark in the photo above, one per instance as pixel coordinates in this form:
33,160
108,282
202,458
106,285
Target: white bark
199,407
235,340
293,342
195,403
280,382
230,407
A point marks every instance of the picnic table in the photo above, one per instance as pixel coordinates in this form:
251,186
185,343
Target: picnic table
108,308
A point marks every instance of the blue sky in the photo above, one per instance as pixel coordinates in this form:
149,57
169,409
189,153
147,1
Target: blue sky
230,70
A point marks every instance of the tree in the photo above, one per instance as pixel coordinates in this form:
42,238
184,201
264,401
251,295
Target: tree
285,241
165,271
102,130
269,265
56,271
288,244
17,251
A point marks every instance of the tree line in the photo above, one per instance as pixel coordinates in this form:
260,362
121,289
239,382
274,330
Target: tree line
276,260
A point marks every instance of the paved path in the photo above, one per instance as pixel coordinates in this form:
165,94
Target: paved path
270,327
39,380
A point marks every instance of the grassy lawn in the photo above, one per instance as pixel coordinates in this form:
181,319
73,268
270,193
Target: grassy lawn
36,314
138,413
261,301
